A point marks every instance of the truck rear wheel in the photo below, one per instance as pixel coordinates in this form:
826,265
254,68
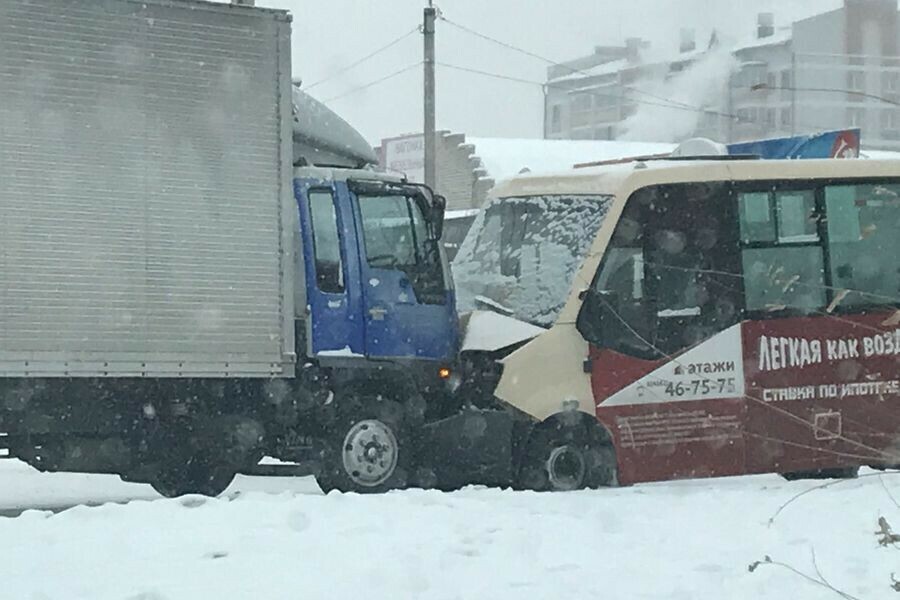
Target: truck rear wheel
193,475
368,451
568,453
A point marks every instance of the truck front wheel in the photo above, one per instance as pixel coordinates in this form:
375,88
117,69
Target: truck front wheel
368,451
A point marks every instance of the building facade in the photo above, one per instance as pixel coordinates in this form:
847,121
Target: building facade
467,167
832,70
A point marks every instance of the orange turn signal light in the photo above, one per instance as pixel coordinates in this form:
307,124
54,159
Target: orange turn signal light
444,373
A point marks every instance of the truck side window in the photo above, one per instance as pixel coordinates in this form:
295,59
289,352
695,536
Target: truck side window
326,242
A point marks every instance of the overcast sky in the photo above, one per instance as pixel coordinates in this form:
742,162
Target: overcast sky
330,34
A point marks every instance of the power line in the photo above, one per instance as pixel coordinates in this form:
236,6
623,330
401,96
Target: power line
707,111
551,62
374,82
766,87
664,102
359,61
596,94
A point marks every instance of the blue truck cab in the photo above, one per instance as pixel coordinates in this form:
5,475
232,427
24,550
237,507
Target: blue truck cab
377,281
376,325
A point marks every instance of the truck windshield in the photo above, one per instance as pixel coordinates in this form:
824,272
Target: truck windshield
522,253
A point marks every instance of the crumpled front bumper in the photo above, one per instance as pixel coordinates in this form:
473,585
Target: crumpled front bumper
469,448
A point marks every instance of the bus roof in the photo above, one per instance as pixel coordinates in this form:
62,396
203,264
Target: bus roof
621,180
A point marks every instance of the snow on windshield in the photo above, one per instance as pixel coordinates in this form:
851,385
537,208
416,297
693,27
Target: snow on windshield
522,253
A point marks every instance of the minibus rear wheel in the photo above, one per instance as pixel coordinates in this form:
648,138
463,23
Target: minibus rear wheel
836,473
568,452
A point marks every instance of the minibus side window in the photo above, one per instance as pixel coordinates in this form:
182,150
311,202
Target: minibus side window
669,278
782,254
864,244
619,298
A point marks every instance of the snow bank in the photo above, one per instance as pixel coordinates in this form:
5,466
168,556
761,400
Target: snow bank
683,540
22,486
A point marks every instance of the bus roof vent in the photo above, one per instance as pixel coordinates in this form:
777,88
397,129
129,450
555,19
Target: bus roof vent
700,147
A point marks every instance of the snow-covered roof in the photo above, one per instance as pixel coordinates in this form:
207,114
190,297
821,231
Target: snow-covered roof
782,36
323,137
503,158
879,154
613,66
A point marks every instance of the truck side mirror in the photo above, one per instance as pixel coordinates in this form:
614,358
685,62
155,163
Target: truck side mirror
597,308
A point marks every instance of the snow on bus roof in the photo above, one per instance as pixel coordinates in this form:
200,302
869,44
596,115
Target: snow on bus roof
611,179
879,154
504,158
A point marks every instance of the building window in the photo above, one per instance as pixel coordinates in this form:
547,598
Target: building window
786,84
890,124
856,81
855,117
555,118
603,133
581,102
890,82
785,117
770,118
582,110
756,75
747,115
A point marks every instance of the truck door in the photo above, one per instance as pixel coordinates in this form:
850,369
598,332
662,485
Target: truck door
334,321
408,302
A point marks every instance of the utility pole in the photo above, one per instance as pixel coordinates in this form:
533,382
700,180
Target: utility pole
430,146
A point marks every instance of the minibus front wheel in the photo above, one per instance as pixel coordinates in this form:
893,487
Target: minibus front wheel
569,451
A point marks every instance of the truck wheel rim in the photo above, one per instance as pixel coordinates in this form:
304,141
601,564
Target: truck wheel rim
566,468
370,453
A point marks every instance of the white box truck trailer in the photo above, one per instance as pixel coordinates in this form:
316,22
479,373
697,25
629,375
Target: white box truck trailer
195,270
146,209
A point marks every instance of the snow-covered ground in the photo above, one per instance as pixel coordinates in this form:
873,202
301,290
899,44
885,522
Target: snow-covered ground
281,538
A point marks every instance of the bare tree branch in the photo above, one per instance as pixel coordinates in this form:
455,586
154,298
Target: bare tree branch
822,486
818,580
887,491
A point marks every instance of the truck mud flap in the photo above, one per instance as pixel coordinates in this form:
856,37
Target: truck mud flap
473,447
